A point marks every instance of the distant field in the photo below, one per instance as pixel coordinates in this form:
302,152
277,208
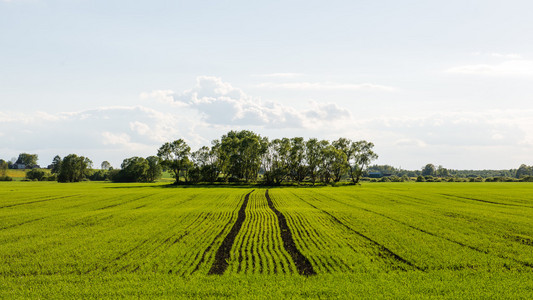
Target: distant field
16,174
392,240
20,174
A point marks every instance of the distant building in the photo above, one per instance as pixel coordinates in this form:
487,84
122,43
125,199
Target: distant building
19,166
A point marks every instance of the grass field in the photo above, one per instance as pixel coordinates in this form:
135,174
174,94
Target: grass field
388,240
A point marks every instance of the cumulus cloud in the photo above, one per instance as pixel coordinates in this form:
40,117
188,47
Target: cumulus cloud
326,86
222,104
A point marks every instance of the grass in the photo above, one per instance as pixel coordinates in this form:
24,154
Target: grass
387,240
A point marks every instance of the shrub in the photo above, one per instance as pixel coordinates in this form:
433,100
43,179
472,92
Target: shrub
99,175
420,178
527,179
6,178
36,174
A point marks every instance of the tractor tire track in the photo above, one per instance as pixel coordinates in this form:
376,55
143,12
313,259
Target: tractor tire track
484,201
223,253
22,223
124,202
386,251
37,201
208,249
303,264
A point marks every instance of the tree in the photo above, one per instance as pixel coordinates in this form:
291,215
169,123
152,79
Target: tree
429,170
276,161
175,157
27,159
106,165
3,167
56,164
360,156
74,168
154,169
333,164
241,153
297,166
313,156
442,172
523,171
133,169
207,163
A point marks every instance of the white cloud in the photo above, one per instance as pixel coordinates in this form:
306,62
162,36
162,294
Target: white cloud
514,67
140,128
115,139
222,104
326,86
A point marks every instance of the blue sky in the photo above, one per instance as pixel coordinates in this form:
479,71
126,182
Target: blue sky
443,82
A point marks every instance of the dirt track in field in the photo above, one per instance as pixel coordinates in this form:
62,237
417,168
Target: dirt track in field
223,253
302,263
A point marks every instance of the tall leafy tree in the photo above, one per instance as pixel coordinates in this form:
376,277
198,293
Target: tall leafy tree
56,164
74,168
3,167
241,152
361,155
276,161
27,159
313,156
524,170
154,169
442,172
429,170
207,162
175,157
105,165
297,167
133,169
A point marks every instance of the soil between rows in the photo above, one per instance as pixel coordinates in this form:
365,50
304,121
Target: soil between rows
223,253
303,265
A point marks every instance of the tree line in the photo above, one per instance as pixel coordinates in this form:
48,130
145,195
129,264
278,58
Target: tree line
244,155
238,156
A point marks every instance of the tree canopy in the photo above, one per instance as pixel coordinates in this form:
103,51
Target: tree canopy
72,168
27,159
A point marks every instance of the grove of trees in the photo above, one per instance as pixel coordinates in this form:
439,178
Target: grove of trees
71,168
137,169
244,155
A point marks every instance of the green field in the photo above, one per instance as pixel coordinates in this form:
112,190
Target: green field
387,240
